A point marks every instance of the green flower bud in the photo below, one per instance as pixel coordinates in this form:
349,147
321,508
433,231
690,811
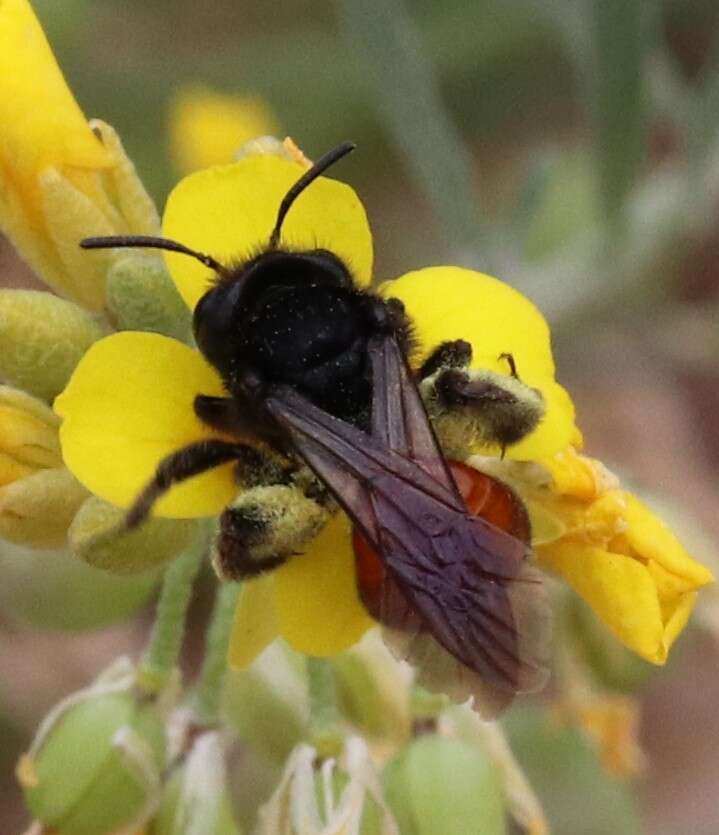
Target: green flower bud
42,338
38,496
442,786
374,690
55,590
96,762
141,296
267,704
196,798
157,541
37,510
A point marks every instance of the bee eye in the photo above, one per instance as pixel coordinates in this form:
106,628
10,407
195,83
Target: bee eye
214,323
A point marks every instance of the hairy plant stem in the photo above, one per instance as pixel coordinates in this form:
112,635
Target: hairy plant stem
325,730
159,661
206,700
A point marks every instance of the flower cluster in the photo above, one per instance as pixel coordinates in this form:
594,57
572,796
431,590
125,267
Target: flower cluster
100,386
137,389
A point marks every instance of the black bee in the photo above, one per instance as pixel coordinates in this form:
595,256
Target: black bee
316,370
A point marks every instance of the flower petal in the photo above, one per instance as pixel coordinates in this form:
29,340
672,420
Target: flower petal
619,589
129,404
255,624
455,303
315,594
578,475
651,538
42,128
229,212
42,123
447,303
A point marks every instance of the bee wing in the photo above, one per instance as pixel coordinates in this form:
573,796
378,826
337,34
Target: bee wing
399,421
464,608
456,599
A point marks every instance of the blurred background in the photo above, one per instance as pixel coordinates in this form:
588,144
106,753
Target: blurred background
572,149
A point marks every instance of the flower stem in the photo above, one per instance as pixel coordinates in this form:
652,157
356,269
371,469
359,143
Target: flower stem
161,655
206,700
325,731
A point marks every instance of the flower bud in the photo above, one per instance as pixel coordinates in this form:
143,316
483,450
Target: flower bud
96,762
28,435
52,589
116,204
196,798
267,704
141,296
38,496
37,510
442,786
155,542
42,338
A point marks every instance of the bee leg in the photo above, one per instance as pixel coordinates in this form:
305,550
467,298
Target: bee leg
225,414
452,354
458,388
512,364
263,527
186,462
234,555
237,416
470,408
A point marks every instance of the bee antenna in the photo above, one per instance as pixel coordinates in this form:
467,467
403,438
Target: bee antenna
322,164
114,241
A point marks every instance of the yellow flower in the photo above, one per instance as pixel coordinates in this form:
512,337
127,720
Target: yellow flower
61,178
609,547
130,400
208,128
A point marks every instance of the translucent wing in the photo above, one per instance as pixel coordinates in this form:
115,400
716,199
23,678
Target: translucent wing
456,598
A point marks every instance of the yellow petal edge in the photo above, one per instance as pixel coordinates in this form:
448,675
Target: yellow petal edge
229,212
128,404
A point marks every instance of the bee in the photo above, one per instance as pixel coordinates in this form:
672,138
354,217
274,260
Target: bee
316,372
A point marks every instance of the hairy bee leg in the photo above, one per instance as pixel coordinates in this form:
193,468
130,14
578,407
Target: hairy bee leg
188,461
263,527
478,404
457,388
232,555
456,353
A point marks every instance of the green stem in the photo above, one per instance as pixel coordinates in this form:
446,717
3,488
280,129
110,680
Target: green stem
325,731
209,685
161,655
